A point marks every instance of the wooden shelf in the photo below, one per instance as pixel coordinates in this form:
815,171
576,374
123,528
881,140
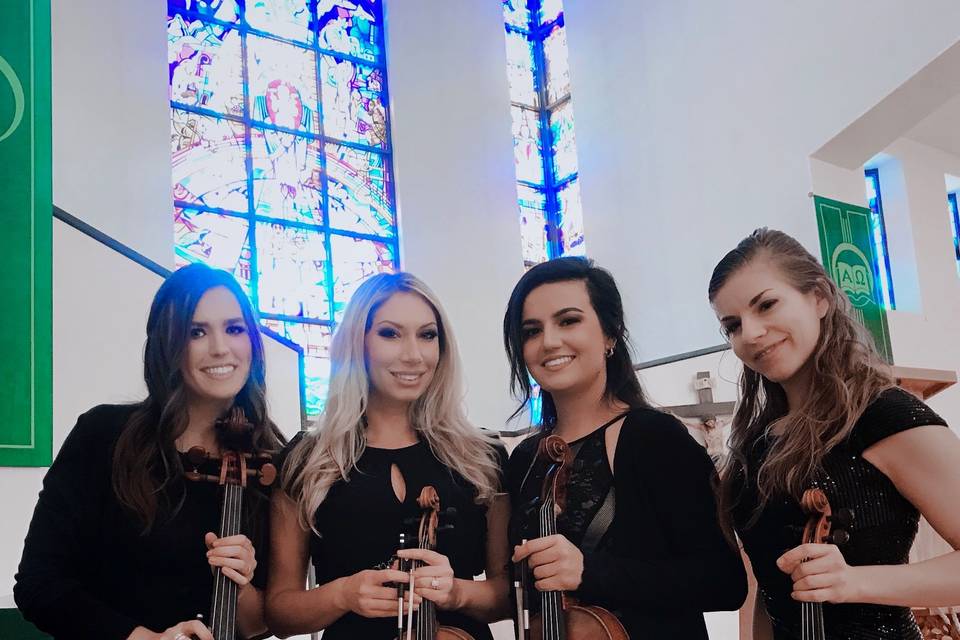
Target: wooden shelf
924,383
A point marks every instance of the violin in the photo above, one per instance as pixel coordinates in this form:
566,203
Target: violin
237,463
422,624
561,617
819,529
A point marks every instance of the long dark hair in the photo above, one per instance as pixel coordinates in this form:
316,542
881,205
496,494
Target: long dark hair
146,463
848,375
622,382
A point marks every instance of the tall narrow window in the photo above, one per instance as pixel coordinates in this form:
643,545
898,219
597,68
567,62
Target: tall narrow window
545,153
281,156
881,270
955,222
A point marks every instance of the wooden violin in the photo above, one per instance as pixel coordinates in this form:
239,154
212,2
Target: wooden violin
819,529
423,624
237,462
561,617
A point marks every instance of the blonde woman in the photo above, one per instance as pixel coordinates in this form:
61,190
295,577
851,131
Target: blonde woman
393,423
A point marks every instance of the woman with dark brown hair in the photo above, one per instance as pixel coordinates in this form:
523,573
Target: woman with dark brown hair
121,545
819,410
639,534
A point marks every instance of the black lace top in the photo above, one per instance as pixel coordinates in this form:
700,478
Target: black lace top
884,524
663,560
360,522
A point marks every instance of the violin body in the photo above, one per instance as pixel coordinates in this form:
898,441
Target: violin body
584,622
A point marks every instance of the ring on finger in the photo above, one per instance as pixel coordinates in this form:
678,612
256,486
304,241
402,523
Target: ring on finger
435,584
181,636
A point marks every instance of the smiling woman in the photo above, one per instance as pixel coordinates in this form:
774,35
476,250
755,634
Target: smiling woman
120,546
818,411
639,532
393,425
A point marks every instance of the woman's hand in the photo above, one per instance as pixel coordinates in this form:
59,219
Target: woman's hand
234,555
434,581
365,593
180,631
820,574
557,564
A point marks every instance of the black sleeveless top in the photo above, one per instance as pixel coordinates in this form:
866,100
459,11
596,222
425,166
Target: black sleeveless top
882,532
360,522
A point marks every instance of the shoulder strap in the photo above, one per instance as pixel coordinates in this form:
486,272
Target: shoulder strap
601,522
604,516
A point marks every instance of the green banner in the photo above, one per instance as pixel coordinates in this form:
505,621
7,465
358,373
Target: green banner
26,218
846,246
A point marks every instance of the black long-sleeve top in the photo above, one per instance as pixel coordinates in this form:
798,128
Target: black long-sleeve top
664,559
87,570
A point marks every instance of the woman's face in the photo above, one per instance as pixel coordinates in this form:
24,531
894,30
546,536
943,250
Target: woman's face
564,346
773,328
402,349
219,350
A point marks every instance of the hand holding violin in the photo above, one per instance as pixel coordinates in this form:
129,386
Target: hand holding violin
366,593
820,574
557,564
435,580
234,555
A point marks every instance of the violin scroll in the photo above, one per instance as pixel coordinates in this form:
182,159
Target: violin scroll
823,525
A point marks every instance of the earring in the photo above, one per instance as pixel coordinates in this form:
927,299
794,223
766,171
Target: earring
609,351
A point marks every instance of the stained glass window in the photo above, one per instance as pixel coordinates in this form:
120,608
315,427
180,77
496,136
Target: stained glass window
280,146
955,223
882,268
544,144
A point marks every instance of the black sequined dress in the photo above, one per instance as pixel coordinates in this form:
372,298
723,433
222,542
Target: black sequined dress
884,524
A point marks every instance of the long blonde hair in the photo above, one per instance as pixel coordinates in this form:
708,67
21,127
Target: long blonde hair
848,375
330,450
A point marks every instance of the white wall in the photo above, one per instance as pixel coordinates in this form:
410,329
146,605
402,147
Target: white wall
453,153
111,120
924,335
695,121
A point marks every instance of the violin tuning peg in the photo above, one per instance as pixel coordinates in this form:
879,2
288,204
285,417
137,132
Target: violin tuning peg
196,455
838,537
843,517
268,473
449,513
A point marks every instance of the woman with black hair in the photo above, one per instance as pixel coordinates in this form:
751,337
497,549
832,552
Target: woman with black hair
120,545
659,560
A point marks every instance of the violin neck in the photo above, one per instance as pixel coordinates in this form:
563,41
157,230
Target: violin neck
551,602
811,621
223,604
426,617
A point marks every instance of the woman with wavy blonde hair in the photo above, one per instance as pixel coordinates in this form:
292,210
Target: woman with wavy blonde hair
393,423
819,409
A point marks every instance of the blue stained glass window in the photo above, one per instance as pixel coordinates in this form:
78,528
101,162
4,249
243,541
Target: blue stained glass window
282,170
955,223
882,267
544,144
